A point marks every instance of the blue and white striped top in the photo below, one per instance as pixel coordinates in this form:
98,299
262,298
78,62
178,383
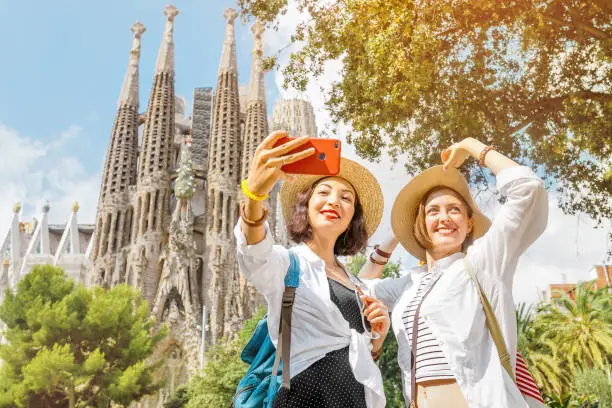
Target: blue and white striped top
431,363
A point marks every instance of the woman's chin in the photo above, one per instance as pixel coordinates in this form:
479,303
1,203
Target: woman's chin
447,246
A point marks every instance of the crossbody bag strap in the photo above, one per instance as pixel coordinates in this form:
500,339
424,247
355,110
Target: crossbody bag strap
492,323
283,349
415,330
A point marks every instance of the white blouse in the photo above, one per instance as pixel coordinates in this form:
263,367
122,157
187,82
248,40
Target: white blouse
317,325
453,310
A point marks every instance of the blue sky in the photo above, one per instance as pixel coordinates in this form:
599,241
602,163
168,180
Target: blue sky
61,69
64,63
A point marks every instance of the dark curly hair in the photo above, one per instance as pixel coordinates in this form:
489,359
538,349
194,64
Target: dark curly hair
351,241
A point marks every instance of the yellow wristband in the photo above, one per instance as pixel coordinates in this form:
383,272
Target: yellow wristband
250,194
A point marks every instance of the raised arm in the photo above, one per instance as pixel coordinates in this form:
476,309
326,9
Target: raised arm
455,155
520,221
373,270
264,172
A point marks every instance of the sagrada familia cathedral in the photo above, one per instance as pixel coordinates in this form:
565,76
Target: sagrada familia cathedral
169,200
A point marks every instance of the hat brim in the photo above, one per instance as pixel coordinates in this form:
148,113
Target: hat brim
365,184
406,205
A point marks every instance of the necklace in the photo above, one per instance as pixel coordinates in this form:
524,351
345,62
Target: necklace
340,275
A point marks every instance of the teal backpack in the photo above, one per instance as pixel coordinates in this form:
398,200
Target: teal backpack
260,385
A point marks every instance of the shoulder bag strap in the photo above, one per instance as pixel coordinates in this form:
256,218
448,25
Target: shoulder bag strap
283,350
413,345
492,322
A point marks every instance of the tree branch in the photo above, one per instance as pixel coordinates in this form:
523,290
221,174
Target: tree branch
580,24
544,106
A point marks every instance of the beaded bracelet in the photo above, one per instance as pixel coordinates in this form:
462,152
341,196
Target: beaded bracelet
253,223
483,154
250,194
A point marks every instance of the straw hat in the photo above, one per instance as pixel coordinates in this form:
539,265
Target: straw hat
365,184
405,208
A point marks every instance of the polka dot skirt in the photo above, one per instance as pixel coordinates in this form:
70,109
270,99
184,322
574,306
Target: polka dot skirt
330,381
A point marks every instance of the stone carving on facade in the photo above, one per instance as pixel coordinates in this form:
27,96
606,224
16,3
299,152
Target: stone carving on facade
164,230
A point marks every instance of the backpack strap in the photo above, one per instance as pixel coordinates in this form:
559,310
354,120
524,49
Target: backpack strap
283,350
492,323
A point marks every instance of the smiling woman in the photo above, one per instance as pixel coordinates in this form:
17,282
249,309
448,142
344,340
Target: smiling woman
332,349
317,205
443,222
455,348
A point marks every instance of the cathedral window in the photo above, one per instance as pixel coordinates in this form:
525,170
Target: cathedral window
155,199
218,255
228,221
212,207
145,214
220,215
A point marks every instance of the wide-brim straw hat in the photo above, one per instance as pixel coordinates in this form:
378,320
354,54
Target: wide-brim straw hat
406,206
365,184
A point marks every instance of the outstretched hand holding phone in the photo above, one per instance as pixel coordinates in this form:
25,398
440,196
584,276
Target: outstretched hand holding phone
264,172
269,157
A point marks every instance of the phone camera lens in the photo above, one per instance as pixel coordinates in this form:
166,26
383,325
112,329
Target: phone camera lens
336,145
321,156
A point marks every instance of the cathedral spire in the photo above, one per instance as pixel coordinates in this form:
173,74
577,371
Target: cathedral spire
256,123
223,179
115,213
165,58
257,90
153,190
129,91
228,52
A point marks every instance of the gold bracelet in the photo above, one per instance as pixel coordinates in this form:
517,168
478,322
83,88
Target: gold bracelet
250,194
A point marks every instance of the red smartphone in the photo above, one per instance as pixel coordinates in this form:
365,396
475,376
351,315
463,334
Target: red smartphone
324,162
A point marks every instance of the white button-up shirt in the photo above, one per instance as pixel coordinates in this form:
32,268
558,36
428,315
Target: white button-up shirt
317,325
453,309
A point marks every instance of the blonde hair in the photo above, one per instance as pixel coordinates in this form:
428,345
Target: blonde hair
420,227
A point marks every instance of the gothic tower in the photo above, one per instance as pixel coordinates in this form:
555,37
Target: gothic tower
256,126
153,186
223,180
114,218
255,130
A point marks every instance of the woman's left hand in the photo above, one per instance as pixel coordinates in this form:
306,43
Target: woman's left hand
455,155
377,314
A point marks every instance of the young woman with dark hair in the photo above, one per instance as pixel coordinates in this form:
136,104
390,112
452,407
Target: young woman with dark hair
332,350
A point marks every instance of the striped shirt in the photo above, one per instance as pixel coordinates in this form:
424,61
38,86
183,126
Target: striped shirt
431,363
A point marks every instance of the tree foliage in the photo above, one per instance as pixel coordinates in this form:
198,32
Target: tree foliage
224,368
71,346
594,386
533,77
567,345
389,368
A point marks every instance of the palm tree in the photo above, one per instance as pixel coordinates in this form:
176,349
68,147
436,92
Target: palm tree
542,358
580,327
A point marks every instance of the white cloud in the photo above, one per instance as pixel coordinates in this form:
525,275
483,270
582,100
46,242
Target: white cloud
566,251
65,136
18,153
32,172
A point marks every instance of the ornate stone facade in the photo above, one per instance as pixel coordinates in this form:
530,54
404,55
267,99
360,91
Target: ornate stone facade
167,207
